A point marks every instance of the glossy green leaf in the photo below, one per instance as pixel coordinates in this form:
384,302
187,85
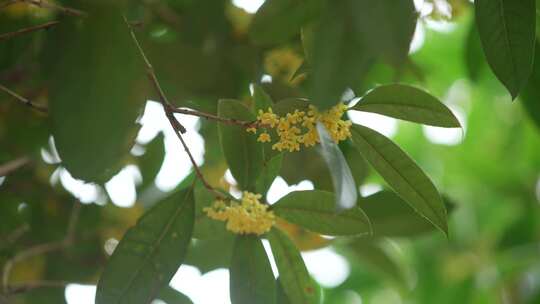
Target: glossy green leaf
387,26
281,297
170,295
342,179
531,94
262,100
150,253
292,14
252,280
152,159
242,152
507,31
338,54
391,216
205,227
407,103
315,210
93,107
202,254
296,282
402,174
270,172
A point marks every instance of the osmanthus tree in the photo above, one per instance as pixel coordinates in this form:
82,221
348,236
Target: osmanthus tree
86,68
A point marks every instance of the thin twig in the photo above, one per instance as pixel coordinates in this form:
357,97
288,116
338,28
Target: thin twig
13,165
24,100
42,248
43,26
175,124
228,121
53,6
14,235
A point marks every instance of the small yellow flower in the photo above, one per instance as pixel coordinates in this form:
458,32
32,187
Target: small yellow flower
252,130
264,137
249,216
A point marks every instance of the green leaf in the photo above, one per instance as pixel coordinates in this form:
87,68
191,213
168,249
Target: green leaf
93,107
474,56
296,282
150,253
402,174
252,280
531,94
387,26
262,100
170,295
391,216
152,159
338,54
242,152
507,31
289,105
205,227
281,297
270,172
407,103
315,210
292,14
202,254
342,180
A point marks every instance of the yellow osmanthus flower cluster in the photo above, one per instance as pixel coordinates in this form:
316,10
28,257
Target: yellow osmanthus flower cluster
299,127
249,216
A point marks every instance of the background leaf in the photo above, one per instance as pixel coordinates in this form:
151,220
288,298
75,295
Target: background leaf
402,174
507,31
296,282
252,280
531,94
270,172
407,103
262,100
152,159
315,210
170,295
150,253
243,153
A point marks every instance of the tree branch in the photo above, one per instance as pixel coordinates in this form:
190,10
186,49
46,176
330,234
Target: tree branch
43,26
175,124
13,165
53,6
227,121
24,100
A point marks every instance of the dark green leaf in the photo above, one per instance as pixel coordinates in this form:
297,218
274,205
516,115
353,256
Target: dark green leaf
289,105
402,174
296,282
152,159
281,297
262,100
391,216
387,26
474,56
205,227
292,14
315,210
242,152
92,105
202,254
150,253
407,103
531,94
342,180
170,295
269,173
507,31
252,280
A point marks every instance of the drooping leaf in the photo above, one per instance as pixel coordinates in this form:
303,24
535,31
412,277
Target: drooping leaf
252,280
170,295
152,159
202,254
270,172
93,108
407,103
402,174
296,282
391,216
205,227
342,179
338,56
292,14
150,253
262,100
507,31
531,93
315,210
387,26
242,152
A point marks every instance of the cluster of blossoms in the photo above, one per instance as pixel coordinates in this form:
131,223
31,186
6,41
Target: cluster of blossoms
249,216
299,127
